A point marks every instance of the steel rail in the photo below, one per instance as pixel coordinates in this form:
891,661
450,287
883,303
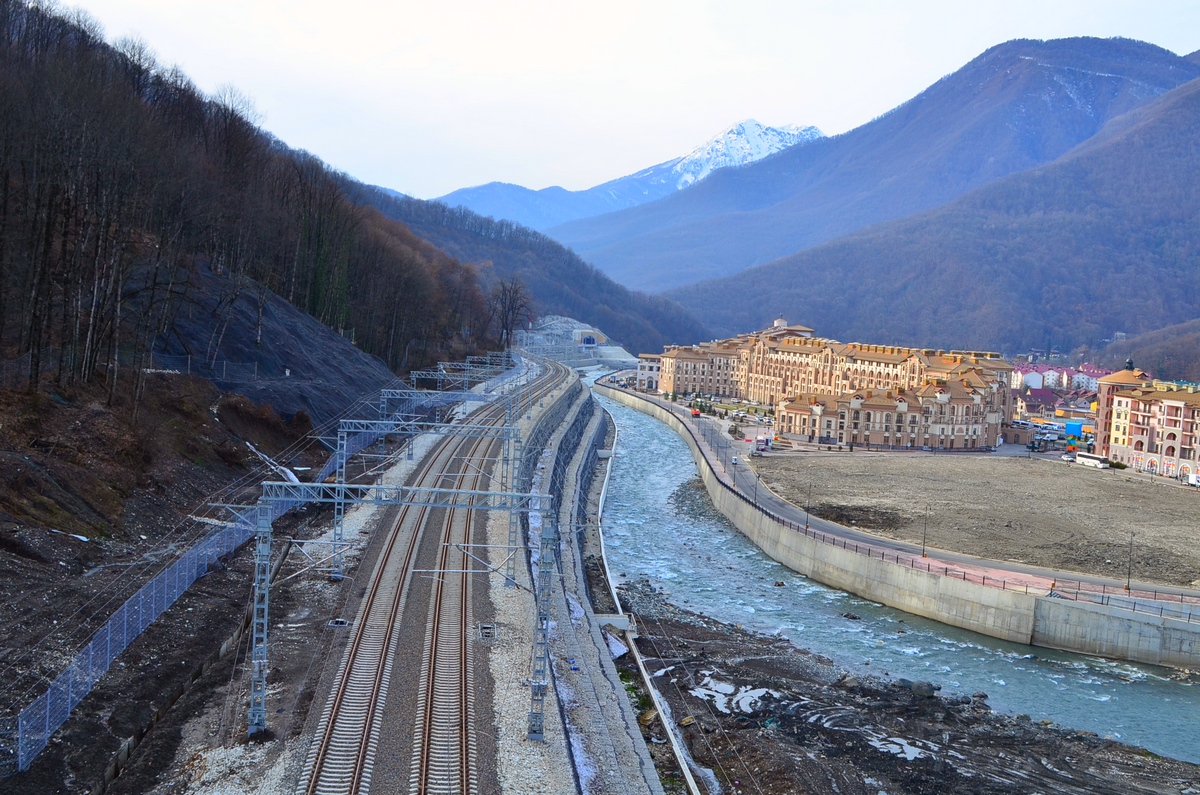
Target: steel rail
343,758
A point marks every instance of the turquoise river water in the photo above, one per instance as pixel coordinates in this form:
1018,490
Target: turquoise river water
659,525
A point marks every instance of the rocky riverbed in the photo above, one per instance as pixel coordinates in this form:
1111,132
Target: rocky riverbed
759,715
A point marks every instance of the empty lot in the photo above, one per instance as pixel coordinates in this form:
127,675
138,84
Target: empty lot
1041,512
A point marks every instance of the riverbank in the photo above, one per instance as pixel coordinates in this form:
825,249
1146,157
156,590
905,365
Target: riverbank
766,717
1015,615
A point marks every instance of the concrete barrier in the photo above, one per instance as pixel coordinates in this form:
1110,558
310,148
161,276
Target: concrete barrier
1108,631
1007,615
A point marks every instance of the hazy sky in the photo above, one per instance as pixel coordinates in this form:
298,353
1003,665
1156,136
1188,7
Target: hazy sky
430,96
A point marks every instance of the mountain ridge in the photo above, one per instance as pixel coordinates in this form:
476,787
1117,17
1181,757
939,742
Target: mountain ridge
558,280
1103,239
1018,105
738,144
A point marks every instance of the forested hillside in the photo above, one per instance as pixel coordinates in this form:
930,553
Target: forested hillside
119,179
1017,106
1172,352
559,281
1106,239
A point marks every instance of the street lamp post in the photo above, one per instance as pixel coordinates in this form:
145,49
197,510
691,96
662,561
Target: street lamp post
756,477
925,532
807,503
1129,571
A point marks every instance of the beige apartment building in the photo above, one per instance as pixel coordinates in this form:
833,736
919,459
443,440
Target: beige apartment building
649,365
712,368
963,413
856,393
1147,424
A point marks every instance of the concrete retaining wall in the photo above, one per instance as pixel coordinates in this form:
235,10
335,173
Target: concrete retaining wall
1007,615
1113,632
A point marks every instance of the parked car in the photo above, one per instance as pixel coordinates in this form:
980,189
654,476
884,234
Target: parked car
1068,457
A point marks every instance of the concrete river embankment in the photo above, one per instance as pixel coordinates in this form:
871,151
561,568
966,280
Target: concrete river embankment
660,524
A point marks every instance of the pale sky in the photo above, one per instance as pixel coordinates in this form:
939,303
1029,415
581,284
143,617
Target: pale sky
426,97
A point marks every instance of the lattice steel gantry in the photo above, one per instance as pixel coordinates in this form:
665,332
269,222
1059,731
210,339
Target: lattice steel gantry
399,414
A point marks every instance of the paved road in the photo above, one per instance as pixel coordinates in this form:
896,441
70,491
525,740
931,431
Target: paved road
720,449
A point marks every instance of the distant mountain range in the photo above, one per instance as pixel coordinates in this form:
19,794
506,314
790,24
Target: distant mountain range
742,143
1104,239
1017,106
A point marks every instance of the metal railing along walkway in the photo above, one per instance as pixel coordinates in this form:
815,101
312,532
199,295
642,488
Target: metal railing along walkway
1140,600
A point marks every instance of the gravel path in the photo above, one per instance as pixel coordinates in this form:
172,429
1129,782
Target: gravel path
522,766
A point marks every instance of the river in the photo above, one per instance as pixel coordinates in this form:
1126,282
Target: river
660,524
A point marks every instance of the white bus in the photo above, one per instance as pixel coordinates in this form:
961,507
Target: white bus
1091,460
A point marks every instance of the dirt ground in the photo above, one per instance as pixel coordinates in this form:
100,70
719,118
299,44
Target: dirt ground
92,503
1035,511
763,716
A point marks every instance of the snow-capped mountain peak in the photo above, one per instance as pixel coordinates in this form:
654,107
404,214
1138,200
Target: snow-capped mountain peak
737,145
742,143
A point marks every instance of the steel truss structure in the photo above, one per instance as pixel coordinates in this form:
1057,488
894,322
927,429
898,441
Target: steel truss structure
464,375
403,412
539,682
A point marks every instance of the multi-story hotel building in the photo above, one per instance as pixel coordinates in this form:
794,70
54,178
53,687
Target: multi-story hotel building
649,365
852,393
711,368
1147,424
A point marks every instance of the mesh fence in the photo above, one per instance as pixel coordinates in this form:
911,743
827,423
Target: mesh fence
215,370
22,738
25,737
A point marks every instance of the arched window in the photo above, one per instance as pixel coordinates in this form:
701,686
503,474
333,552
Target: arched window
1171,452
1139,446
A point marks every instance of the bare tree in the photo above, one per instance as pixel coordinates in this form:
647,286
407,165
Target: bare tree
510,304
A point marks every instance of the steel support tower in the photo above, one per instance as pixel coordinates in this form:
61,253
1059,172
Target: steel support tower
286,494
540,681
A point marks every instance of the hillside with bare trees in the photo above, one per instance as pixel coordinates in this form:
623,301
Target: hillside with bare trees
120,182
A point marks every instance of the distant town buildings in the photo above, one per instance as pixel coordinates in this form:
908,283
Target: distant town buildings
851,393
1148,424
1048,376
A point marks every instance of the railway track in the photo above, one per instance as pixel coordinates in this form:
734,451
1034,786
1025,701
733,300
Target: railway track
343,754
444,752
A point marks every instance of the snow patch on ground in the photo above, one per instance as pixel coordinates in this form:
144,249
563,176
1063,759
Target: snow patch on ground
729,698
899,747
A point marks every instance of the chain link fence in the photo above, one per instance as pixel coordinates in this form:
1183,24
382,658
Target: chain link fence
22,738
14,373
